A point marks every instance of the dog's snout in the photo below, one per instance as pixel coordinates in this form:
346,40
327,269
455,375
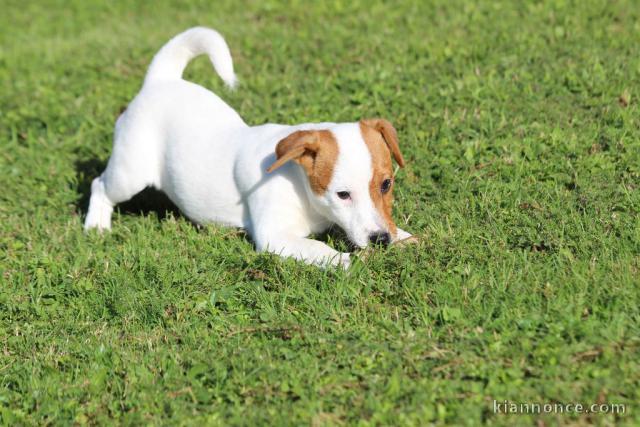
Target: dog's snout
381,238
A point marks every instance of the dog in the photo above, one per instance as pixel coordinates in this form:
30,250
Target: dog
280,183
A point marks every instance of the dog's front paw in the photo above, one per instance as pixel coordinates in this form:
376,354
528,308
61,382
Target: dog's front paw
404,238
411,240
343,261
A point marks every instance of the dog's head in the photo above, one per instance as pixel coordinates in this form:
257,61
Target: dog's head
350,175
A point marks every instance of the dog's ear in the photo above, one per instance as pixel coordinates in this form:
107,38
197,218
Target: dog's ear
389,135
301,146
315,150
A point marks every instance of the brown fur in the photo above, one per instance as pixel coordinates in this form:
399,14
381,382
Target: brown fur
382,140
315,150
389,134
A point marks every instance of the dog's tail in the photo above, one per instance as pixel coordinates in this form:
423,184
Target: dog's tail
172,59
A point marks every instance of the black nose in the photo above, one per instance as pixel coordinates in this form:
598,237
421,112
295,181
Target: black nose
383,238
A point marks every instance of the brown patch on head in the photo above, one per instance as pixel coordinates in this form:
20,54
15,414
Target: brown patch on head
382,141
315,150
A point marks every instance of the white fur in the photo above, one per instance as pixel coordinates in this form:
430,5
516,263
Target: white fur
181,138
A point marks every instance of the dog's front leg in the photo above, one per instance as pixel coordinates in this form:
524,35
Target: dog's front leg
307,250
404,237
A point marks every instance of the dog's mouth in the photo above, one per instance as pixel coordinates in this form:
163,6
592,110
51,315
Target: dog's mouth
353,246
375,240
363,240
349,240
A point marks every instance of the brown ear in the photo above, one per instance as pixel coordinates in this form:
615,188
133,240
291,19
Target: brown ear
315,150
301,146
389,135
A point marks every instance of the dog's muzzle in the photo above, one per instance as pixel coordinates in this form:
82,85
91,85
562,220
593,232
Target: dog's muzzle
380,238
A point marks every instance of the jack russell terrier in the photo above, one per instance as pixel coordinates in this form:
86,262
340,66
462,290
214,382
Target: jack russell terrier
281,183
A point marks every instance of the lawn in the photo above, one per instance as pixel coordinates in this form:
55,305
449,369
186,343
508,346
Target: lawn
520,124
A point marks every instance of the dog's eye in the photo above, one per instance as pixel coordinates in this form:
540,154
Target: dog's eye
344,195
385,186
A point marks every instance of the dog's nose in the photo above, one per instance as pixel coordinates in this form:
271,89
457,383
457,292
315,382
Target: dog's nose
382,238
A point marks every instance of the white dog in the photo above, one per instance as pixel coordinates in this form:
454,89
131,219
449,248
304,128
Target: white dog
281,183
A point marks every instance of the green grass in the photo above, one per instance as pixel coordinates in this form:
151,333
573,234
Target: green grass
520,125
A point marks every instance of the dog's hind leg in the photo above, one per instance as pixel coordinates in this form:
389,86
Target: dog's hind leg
130,170
100,207
107,190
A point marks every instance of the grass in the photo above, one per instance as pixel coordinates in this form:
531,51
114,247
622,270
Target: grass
520,125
